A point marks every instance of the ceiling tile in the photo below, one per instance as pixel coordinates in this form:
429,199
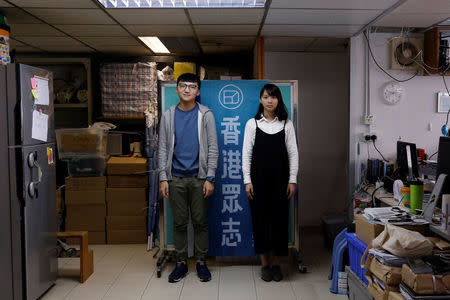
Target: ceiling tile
26,49
50,41
34,30
15,43
161,30
125,50
109,41
181,45
224,49
228,40
333,4
227,30
313,16
93,30
425,7
287,43
340,31
72,16
411,20
329,45
16,15
56,3
4,4
226,15
149,15
71,49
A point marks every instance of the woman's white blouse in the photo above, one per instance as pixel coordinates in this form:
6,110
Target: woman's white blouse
270,127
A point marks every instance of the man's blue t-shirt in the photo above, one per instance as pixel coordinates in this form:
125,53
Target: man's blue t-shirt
186,148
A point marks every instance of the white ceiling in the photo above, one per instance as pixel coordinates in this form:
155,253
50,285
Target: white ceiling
84,26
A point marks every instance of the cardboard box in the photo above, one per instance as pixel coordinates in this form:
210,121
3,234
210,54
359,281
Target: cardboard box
396,296
423,284
126,223
388,274
59,201
86,217
126,166
377,291
85,197
119,181
85,183
94,237
366,232
126,201
127,236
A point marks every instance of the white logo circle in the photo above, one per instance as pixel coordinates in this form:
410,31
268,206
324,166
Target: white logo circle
230,96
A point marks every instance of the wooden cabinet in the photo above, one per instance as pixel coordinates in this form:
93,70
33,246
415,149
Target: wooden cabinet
432,42
72,79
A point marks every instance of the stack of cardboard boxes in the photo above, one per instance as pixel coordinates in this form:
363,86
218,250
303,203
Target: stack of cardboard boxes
126,198
86,206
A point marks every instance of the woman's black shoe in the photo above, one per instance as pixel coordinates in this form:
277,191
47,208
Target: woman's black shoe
266,273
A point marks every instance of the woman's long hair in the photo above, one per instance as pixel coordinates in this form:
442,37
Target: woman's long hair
274,91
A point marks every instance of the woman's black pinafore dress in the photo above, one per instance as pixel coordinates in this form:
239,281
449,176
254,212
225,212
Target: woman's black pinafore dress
269,173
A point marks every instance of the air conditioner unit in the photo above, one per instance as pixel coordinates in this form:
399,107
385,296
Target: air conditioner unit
404,53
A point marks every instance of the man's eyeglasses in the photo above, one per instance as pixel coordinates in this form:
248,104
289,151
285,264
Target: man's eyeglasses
183,86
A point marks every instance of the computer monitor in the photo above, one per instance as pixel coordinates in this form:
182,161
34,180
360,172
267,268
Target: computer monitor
407,161
444,162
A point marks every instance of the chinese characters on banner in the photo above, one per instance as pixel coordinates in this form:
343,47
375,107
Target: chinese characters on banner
233,104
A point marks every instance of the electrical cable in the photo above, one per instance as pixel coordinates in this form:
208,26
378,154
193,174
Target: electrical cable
373,193
381,68
379,151
432,155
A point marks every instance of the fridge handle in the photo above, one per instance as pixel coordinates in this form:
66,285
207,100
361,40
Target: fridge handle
33,163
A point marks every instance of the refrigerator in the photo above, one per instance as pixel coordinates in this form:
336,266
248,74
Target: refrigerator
28,254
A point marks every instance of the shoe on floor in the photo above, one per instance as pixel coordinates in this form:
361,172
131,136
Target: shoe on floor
179,272
203,272
266,273
276,273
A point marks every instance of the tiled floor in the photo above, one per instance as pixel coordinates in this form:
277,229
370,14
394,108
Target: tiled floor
128,272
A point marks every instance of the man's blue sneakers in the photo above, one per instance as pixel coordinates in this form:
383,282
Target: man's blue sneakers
179,272
202,271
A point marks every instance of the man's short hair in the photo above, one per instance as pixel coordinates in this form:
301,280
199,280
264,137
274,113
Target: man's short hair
189,77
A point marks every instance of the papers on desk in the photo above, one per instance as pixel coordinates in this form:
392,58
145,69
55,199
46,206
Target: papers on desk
392,215
387,258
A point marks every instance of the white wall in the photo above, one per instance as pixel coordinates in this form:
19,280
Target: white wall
322,127
407,119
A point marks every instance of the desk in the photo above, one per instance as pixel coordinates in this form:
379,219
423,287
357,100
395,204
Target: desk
385,198
388,200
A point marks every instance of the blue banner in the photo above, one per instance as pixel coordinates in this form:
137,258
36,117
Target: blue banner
233,104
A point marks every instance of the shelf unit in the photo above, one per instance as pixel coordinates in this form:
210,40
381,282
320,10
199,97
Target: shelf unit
431,49
68,114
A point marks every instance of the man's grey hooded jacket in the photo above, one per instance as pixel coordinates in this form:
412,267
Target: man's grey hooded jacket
207,140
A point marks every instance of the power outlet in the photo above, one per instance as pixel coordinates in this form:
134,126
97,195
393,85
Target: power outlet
368,120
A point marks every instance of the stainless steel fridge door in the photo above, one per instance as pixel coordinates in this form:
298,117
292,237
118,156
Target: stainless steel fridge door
39,218
21,104
6,273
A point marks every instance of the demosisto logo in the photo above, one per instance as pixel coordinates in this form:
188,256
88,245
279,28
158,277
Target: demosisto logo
230,96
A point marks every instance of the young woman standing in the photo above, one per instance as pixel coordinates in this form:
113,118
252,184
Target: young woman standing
270,165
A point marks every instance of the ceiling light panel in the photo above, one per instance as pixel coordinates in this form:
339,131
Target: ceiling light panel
180,3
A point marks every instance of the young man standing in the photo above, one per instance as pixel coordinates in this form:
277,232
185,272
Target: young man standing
187,158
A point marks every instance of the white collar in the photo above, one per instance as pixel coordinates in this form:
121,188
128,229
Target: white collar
264,119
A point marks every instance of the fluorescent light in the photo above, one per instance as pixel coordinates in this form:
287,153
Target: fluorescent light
154,44
181,3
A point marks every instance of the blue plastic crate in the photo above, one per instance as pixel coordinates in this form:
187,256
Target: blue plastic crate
356,250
